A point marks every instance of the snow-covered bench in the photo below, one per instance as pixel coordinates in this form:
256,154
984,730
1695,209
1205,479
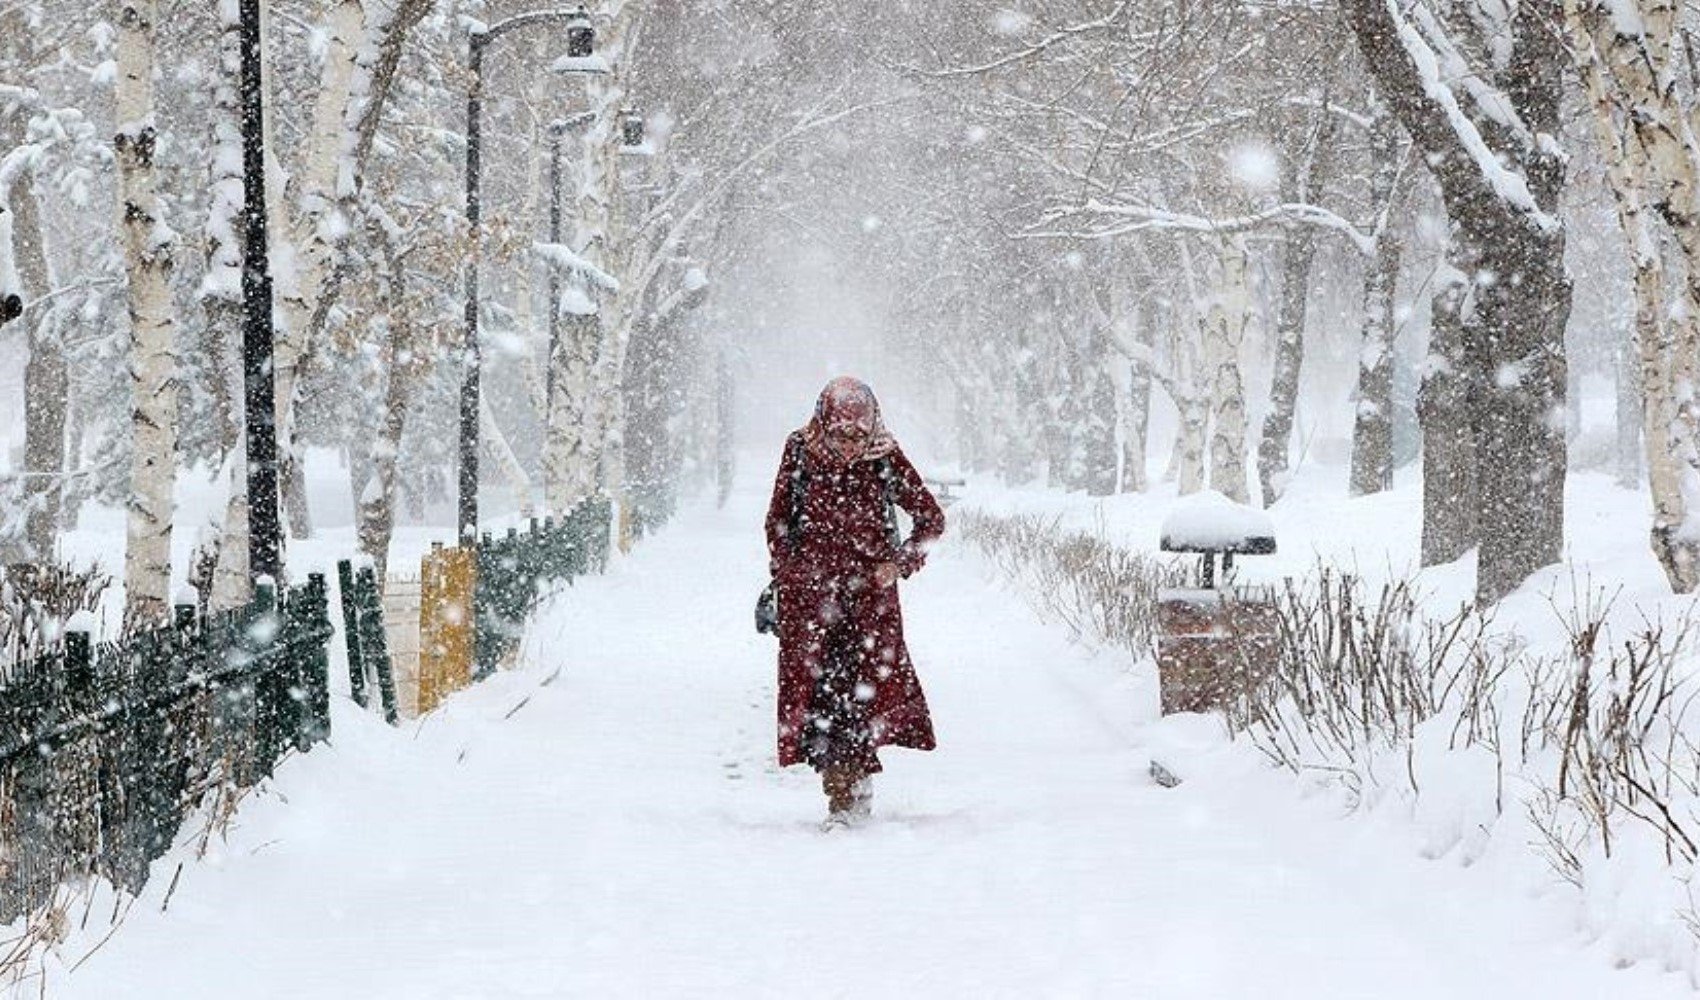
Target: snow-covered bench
941,488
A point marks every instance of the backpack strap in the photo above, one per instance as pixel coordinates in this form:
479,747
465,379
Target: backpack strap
799,489
893,533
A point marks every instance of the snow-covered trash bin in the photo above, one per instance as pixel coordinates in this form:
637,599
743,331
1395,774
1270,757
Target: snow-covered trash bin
1214,641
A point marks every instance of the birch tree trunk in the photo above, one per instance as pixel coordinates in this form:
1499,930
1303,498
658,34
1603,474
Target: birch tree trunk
231,580
26,273
497,446
1653,159
1136,426
1187,383
1099,407
221,299
312,240
577,462
148,248
1187,464
569,460
1225,334
376,507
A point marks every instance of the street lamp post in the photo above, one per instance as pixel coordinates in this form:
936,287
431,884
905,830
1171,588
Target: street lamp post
580,43
265,531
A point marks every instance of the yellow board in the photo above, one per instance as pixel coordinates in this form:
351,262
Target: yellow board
448,579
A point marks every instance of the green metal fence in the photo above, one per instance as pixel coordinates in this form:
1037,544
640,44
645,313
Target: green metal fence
513,569
106,748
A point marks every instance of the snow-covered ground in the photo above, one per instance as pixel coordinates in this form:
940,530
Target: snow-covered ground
607,821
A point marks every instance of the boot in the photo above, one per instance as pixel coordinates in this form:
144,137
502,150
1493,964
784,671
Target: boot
862,798
839,783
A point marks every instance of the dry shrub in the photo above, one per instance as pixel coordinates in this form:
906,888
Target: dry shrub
1598,740
37,599
1101,592
1357,671
1618,723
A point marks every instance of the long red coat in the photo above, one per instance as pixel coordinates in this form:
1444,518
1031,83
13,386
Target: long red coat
827,576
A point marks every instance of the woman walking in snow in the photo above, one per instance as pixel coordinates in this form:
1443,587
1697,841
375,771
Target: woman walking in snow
846,684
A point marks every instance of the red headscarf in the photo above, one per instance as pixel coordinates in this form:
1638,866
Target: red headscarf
847,401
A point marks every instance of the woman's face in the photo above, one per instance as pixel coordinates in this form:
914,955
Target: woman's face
848,438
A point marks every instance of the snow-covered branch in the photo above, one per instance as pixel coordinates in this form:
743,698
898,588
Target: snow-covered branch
561,256
1036,49
1144,218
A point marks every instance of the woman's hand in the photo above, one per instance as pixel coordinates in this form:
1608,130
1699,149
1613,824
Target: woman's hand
885,574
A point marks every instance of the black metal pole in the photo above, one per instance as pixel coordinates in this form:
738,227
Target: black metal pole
555,131
469,389
265,536
468,521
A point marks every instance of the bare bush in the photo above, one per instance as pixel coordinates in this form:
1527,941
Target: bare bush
37,599
1598,738
1357,671
1101,592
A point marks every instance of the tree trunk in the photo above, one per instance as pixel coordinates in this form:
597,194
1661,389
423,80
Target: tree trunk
1372,430
1225,335
221,299
1652,163
376,503
1502,202
314,239
1629,397
1134,399
231,578
725,429
1187,465
1449,459
1136,431
1098,406
46,381
1310,170
1272,447
497,447
569,461
148,247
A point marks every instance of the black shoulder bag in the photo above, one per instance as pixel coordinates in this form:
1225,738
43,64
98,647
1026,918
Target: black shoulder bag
767,605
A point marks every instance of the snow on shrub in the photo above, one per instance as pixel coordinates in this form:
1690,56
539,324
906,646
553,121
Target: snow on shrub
1589,759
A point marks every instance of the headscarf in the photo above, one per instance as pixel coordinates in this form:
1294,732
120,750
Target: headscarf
847,400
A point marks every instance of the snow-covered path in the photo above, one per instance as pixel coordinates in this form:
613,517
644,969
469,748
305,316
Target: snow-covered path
607,821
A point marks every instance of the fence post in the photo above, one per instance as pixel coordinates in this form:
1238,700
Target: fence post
79,666
346,592
260,640
373,643
484,602
310,615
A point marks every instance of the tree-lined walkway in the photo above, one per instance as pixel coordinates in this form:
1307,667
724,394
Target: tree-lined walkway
607,822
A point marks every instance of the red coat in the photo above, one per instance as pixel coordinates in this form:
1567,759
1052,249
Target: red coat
827,577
